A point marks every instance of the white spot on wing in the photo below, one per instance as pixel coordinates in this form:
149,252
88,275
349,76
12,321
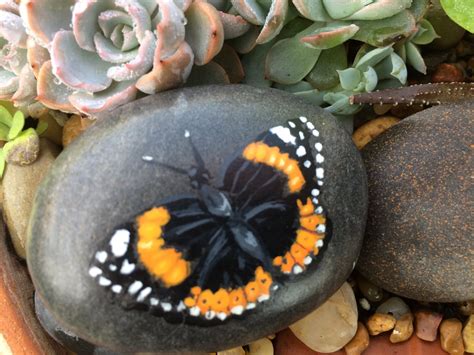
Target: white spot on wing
195,311
222,316
301,134
320,173
297,269
301,151
315,192
307,164
318,146
315,133
251,305
263,298
181,306
127,267
291,124
154,301
95,271
310,125
116,288
319,158
308,260
319,243
143,294
237,310
284,134
319,210
210,315
166,306
101,256
119,242
104,281
320,183
112,267
135,287
315,201
303,119
321,228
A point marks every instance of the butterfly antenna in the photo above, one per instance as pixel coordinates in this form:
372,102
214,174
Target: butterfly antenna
197,155
150,160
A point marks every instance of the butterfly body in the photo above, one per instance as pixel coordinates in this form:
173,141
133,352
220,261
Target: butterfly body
228,248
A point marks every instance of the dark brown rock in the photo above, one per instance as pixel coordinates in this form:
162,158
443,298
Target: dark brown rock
418,240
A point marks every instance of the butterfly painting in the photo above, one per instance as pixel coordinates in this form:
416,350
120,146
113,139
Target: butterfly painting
229,247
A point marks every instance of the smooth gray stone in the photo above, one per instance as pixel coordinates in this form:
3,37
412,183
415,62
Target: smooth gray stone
419,242
100,181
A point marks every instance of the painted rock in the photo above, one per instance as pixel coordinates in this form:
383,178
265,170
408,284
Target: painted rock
198,220
419,207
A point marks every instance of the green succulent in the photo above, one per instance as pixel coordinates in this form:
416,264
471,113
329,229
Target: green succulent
21,145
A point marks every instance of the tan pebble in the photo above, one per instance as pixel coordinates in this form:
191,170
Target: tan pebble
446,72
369,130
451,336
380,322
4,347
468,335
360,342
261,347
54,132
74,127
403,329
426,325
234,351
271,336
331,326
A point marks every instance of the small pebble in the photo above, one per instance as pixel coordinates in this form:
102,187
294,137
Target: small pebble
74,127
466,308
364,304
369,290
359,342
380,322
451,336
394,306
427,323
447,73
382,109
261,347
371,129
234,351
468,335
403,329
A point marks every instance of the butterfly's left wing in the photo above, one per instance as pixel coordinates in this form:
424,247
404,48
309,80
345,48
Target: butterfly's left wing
275,183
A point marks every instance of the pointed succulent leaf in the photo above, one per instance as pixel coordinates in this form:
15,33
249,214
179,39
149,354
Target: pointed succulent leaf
314,97
330,37
36,56
349,78
76,67
312,9
426,33
460,11
380,9
5,117
2,162
373,57
18,122
289,61
392,67
254,66
118,93
140,17
43,18
11,28
24,149
42,127
140,65
234,25
247,42
8,84
293,88
209,74
26,91
414,57
151,5
382,32
51,92
108,20
250,10
204,32
324,74
108,52
340,104
221,5
230,61
339,9
274,21
170,30
169,72
401,50
370,79
4,132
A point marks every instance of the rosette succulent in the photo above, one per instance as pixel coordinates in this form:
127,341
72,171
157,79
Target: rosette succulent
104,53
17,81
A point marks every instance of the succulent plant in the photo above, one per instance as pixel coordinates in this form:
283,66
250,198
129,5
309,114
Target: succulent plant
17,82
22,145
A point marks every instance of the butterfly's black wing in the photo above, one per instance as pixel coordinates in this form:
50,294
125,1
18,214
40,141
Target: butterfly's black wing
274,183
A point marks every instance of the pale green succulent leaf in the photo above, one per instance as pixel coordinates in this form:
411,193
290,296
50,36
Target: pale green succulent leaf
330,37
209,74
294,88
289,61
373,57
254,66
414,57
2,162
314,97
250,10
339,9
274,21
297,26
4,132
9,83
461,12
245,43
42,127
386,31
371,79
339,104
349,78
312,9
18,123
324,74
380,9
392,67
5,116
426,33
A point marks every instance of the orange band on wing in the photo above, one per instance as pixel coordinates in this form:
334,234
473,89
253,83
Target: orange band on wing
165,264
259,152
